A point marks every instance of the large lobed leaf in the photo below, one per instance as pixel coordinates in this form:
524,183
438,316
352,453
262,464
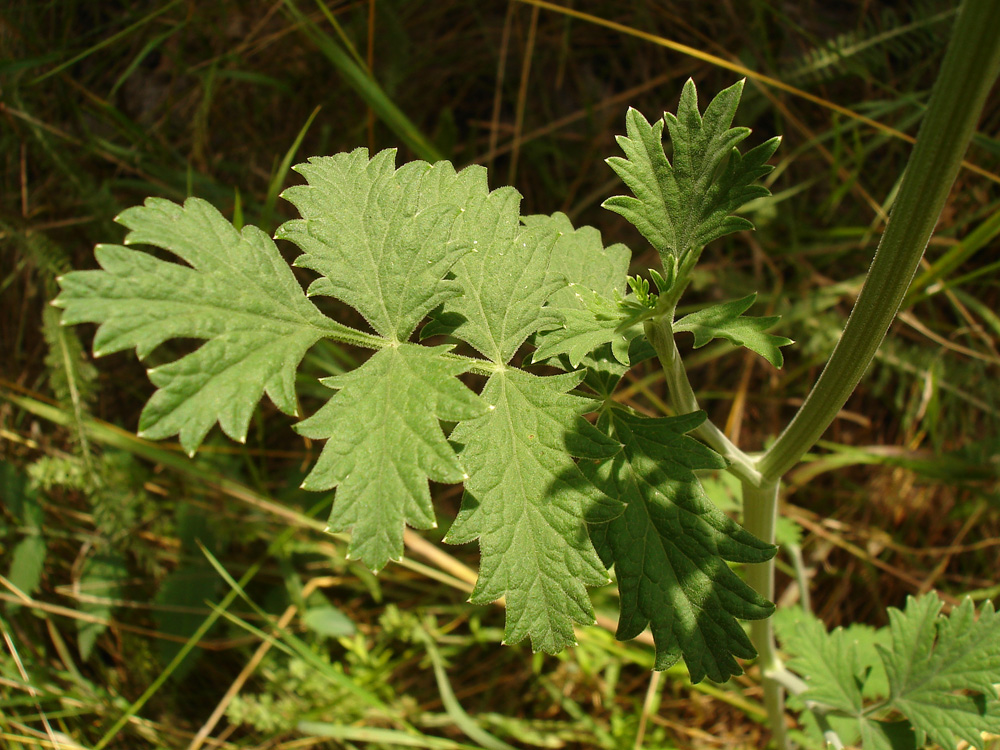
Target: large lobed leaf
526,500
237,293
384,441
681,206
384,238
943,670
670,547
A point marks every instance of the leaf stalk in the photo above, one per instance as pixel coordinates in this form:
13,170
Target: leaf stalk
660,334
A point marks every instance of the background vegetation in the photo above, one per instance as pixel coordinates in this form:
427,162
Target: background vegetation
148,600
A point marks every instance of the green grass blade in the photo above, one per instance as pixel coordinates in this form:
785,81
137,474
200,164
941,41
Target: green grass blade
366,87
106,42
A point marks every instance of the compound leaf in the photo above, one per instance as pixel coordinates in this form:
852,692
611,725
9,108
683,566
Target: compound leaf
682,206
384,441
526,500
237,292
942,670
670,545
384,238
727,321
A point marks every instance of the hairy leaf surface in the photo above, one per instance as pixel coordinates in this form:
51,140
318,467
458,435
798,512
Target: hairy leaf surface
384,441
939,672
237,292
384,238
505,280
595,275
943,670
682,206
525,501
670,545
727,321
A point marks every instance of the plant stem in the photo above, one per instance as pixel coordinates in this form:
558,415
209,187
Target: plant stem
760,516
969,69
660,334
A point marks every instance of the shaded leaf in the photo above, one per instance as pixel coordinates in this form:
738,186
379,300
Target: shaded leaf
670,545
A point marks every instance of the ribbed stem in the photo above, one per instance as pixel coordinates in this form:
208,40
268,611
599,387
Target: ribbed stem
760,517
969,69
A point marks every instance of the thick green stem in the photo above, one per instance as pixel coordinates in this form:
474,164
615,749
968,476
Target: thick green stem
969,69
661,336
760,517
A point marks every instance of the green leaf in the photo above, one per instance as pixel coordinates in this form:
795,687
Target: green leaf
580,257
505,280
670,545
828,662
682,206
100,584
942,670
328,621
595,275
237,293
592,322
384,238
27,563
526,500
727,321
383,442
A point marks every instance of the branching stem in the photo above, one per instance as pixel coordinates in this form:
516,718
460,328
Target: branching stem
660,334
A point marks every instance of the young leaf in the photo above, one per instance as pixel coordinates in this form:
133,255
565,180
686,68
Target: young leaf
525,501
237,292
383,442
383,238
942,670
592,322
728,322
670,545
594,275
682,206
828,662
